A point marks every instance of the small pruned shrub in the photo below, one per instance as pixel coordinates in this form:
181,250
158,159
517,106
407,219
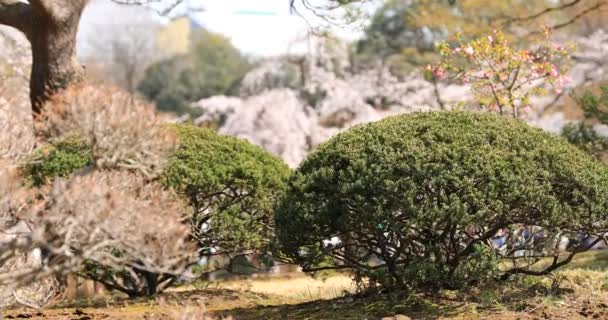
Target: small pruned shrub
442,200
232,186
59,159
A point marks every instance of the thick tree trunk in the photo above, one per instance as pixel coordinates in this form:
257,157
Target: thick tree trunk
151,283
54,65
51,27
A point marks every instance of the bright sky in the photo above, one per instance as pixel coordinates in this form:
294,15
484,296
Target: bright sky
260,28
263,27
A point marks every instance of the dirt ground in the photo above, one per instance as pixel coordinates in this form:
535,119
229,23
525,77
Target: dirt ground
582,293
230,304
237,305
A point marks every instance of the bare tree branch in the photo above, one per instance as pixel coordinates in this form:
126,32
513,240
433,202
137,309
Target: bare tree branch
545,11
580,15
161,11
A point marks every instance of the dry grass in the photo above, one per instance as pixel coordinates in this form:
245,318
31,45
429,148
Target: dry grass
299,287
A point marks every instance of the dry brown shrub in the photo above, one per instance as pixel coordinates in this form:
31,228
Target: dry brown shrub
94,216
112,214
16,253
52,231
17,256
11,195
16,133
123,130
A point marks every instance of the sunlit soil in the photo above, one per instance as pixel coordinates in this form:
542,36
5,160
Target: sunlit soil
582,294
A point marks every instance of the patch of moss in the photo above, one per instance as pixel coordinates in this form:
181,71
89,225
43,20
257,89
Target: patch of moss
60,158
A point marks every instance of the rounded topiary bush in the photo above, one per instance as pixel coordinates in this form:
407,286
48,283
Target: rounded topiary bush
445,199
232,186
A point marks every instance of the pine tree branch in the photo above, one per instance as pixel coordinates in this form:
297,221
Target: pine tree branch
167,9
546,11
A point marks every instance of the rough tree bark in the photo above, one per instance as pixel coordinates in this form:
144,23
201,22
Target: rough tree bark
51,27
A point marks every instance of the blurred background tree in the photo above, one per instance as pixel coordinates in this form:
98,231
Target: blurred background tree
212,67
475,17
393,39
402,33
584,134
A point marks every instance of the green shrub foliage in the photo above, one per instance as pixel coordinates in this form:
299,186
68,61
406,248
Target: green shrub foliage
232,186
60,158
584,134
440,200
